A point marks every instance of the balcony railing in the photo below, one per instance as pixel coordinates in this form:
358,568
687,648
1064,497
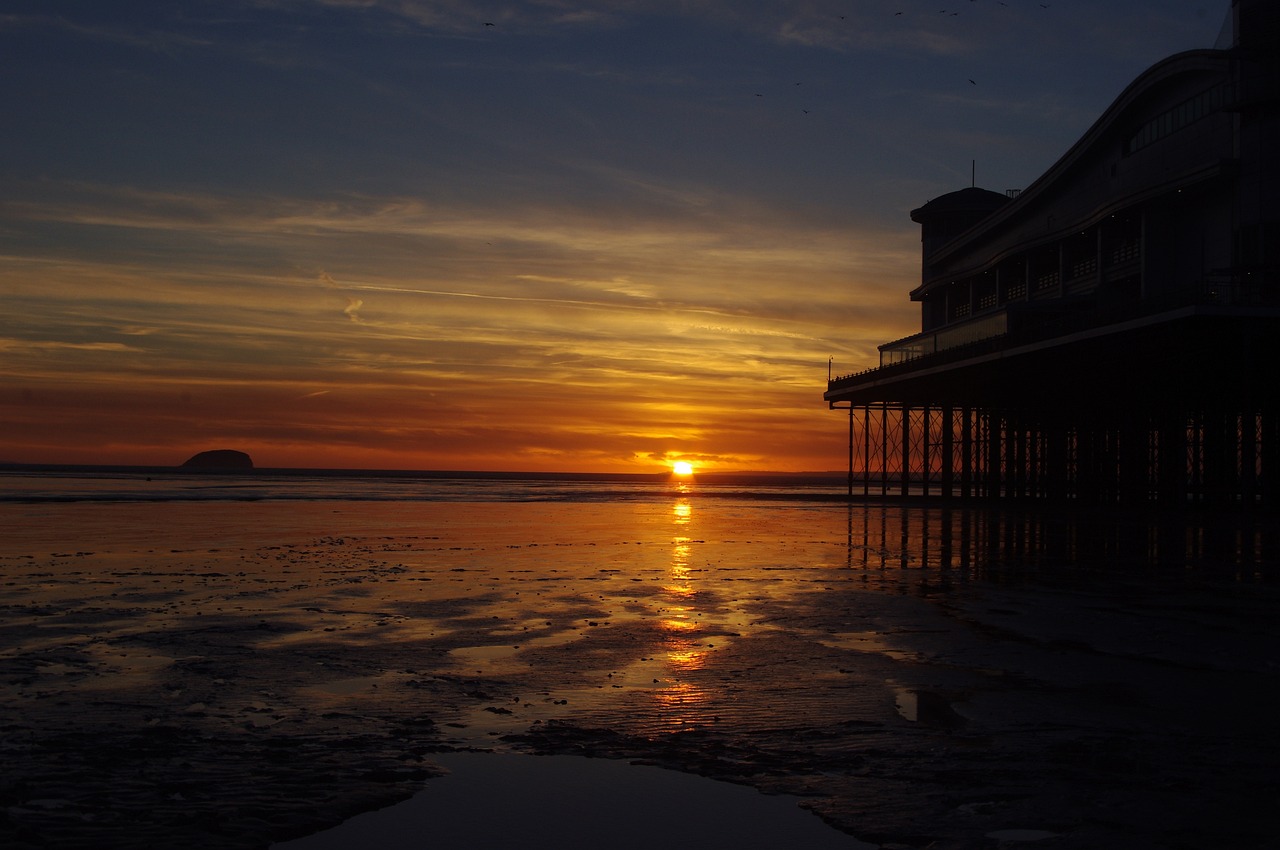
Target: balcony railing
994,332
920,345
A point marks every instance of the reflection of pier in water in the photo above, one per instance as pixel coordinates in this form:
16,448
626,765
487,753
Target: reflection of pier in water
990,542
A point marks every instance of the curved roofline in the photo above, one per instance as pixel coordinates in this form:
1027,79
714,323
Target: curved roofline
972,199
1189,61
1176,65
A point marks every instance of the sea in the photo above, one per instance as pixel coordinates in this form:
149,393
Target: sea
105,484
1014,537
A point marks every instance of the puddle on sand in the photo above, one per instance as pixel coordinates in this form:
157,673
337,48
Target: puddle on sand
348,687
927,708
1013,835
506,656
102,669
570,801
870,642
494,655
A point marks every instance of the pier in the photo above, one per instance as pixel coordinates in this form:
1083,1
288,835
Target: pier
1105,335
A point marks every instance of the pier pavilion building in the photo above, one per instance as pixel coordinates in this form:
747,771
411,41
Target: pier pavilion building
1111,333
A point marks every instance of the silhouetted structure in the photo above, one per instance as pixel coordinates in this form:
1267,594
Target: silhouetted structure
219,460
1107,334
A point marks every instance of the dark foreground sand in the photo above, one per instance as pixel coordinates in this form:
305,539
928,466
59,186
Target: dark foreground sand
231,675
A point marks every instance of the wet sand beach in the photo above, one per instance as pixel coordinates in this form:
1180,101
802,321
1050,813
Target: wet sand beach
233,674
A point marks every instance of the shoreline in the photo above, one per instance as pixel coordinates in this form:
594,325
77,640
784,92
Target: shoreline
826,488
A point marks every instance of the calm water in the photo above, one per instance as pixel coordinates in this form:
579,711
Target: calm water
299,485
972,538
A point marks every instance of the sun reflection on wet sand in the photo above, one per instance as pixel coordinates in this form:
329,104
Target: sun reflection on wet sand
680,701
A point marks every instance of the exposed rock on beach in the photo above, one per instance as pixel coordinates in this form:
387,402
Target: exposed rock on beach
219,459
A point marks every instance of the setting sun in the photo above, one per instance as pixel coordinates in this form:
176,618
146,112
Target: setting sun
682,467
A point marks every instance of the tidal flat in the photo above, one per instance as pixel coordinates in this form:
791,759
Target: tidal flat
232,674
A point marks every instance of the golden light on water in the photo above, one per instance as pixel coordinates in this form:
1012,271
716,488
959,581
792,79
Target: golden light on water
677,622
687,659
682,703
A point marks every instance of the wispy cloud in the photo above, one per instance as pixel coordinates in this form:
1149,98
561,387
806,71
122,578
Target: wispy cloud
681,320
352,310
151,38
18,346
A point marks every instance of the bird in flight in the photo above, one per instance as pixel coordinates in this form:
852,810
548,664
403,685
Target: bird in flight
489,23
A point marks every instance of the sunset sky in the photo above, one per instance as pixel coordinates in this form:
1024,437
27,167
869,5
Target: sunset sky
556,235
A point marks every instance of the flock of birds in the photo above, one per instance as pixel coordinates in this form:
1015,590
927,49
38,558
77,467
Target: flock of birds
949,12
899,13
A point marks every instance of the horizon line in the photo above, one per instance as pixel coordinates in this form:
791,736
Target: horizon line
21,466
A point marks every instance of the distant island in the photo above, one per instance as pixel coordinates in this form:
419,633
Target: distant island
219,459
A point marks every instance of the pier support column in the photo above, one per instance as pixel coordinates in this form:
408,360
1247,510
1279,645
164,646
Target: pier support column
1057,469
850,482
993,446
904,474
1133,455
884,450
866,450
1270,462
947,462
1219,457
1016,456
1171,459
1248,459
926,454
